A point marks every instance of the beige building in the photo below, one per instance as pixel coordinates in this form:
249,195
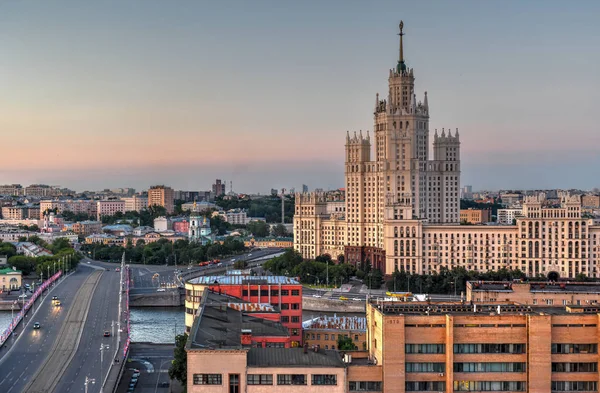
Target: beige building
12,189
161,196
109,208
135,203
402,208
453,347
14,212
475,216
590,201
84,206
85,228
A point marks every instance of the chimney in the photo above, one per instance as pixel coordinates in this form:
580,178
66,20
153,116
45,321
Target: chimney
246,337
305,348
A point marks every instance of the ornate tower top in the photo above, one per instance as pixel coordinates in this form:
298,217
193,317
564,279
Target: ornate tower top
401,65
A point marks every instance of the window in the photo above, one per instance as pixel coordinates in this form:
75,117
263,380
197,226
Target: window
285,319
285,292
260,379
365,386
489,367
296,319
489,348
574,367
489,386
234,383
419,386
254,292
291,379
574,386
324,379
285,306
424,348
208,379
295,292
295,306
425,367
574,348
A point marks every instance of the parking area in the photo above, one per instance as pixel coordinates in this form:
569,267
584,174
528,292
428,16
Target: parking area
152,362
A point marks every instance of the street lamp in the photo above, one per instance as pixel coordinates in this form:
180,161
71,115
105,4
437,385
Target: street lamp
102,348
87,382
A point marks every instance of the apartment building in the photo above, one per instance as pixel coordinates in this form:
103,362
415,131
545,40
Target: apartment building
161,196
590,201
109,208
475,216
282,292
12,190
324,331
510,198
135,203
84,206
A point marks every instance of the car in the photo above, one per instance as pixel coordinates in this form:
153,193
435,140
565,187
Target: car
343,298
117,270
106,333
249,255
23,296
357,299
232,259
161,290
54,297
88,262
315,295
36,325
57,303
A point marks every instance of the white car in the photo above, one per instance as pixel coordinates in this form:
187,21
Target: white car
160,290
315,295
249,255
23,296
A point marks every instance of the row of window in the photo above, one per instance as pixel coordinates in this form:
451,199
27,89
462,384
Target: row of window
489,386
365,386
574,367
574,386
267,379
574,348
489,348
467,367
274,292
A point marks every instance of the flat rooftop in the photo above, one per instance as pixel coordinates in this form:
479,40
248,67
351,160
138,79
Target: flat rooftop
458,308
536,286
244,280
218,326
325,322
293,357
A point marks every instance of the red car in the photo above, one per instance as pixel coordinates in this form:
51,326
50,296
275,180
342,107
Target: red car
106,333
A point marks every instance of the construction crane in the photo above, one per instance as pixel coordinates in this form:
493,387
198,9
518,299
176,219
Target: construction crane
283,206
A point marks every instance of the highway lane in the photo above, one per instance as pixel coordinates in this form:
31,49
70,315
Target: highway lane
103,311
32,346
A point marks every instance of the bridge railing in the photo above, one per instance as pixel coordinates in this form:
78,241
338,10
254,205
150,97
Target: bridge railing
21,314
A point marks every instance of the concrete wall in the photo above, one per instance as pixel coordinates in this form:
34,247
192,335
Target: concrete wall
170,298
332,305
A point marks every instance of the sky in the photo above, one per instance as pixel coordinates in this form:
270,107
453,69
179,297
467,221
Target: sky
105,94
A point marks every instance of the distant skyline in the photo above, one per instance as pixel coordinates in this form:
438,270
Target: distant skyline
129,94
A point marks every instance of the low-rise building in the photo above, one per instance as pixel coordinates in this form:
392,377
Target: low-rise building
10,279
118,230
325,331
103,238
282,292
475,216
12,190
229,350
162,224
508,216
85,228
10,233
31,249
551,293
201,207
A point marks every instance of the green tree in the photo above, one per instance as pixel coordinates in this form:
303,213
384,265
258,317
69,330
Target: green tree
240,265
258,228
280,231
22,263
178,369
374,279
345,343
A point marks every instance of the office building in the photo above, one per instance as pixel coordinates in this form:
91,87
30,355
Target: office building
109,208
135,203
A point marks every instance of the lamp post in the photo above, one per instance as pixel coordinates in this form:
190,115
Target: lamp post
102,348
87,382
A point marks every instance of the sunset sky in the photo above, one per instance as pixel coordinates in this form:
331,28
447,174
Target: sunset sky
103,94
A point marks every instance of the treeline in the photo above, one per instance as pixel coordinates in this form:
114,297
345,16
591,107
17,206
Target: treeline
468,204
164,251
309,272
446,280
268,207
60,248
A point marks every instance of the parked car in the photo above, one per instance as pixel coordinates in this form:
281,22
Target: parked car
343,298
22,296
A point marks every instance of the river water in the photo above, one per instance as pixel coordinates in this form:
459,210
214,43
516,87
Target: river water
161,324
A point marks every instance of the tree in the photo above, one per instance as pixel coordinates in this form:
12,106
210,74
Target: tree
280,231
25,264
178,369
258,228
374,279
240,265
345,343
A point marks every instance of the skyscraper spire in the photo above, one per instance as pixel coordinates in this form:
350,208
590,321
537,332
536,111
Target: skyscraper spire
401,65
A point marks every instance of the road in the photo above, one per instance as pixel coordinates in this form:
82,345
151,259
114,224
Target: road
103,311
32,346
153,361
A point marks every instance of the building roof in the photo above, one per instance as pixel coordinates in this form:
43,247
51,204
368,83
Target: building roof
9,270
478,309
325,322
237,280
536,286
218,326
293,357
